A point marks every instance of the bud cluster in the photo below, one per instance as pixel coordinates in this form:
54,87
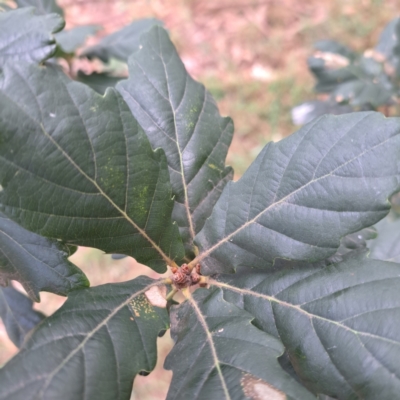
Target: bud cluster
184,277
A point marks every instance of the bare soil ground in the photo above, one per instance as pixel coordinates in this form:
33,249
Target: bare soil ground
251,54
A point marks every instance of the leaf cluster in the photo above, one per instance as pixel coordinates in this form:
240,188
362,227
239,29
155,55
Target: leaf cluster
349,81
281,297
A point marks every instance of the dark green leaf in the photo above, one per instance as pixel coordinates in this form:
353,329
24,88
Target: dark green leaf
353,242
17,314
91,348
42,6
306,112
25,36
39,264
359,93
84,171
98,81
218,354
180,116
387,246
339,323
371,85
70,40
121,44
350,243
302,194
329,77
388,47
356,80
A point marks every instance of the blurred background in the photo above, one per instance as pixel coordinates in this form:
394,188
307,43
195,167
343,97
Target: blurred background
252,56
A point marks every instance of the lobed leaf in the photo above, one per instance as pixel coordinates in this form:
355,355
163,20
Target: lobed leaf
338,323
77,166
302,194
25,36
123,43
17,314
219,354
179,115
39,264
91,348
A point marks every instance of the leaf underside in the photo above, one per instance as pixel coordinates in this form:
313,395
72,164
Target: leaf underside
39,264
91,348
17,314
179,115
219,354
25,36
338,323
302,194
84,171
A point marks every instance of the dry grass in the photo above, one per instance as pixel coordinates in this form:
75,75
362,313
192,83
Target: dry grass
252,56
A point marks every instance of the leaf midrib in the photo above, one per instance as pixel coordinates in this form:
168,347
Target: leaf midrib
182,172
122,212
94,183
203,323
311,316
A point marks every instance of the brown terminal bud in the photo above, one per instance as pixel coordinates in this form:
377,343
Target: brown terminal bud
181,280
197,268
174,270
185,269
